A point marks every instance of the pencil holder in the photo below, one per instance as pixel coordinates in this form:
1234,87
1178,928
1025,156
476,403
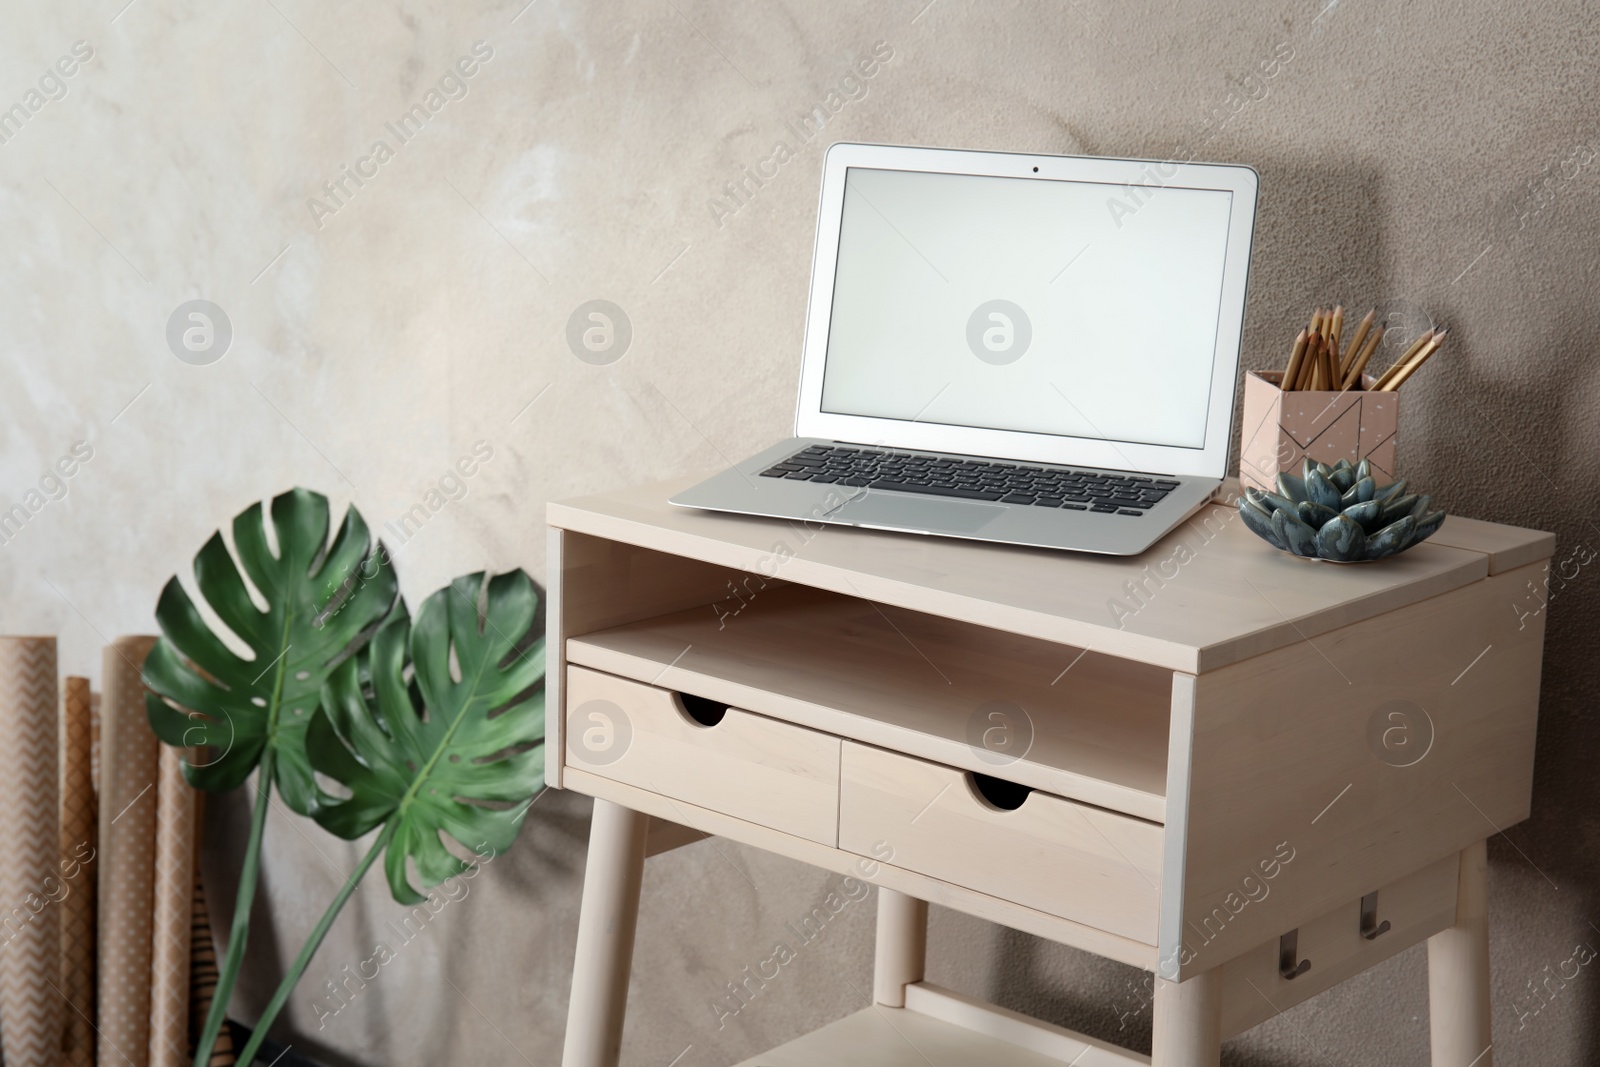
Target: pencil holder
1283,429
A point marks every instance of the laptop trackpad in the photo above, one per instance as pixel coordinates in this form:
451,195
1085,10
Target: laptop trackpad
917,513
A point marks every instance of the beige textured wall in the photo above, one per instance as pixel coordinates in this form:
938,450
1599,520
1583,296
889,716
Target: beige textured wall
1435,158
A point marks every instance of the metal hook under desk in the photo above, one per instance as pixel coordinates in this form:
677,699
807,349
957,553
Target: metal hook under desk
1289,964
1370,927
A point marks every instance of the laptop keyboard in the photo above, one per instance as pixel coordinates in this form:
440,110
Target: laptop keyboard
964,479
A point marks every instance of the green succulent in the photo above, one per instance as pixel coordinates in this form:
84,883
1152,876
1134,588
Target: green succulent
1339,513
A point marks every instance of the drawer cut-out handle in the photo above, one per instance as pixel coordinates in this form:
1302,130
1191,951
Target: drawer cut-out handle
702,710
1371,929
1007,796
1290,966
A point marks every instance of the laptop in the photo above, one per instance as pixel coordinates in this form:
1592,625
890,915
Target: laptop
1022,349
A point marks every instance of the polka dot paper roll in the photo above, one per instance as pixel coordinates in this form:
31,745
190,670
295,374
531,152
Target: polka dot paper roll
129,760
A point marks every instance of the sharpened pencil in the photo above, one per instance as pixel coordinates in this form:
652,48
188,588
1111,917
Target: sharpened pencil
1354,350
1352,377
1291,373
1400,364
1416,362
1312,371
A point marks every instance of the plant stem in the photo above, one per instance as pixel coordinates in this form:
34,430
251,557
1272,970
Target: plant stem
292,979
239,932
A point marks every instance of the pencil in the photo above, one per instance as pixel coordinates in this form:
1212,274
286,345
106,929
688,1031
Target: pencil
1355,346
1421,358
1330,364
1400,364
1338,326
1319,377
1327,325
1291,373
1407,357
1352,377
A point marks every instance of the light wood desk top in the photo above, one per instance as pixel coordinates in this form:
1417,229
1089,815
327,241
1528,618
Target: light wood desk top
1208,595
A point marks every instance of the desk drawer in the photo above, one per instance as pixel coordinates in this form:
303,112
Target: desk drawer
762,770
1057,856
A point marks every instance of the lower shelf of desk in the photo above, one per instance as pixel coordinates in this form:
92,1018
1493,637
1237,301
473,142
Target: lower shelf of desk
938,1028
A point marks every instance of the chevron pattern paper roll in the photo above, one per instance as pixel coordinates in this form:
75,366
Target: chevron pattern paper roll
129,761
79,842
31,889
176,808
203,977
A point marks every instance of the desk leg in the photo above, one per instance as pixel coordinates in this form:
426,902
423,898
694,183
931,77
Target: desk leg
605,936
902,946
1188,1022
1458,972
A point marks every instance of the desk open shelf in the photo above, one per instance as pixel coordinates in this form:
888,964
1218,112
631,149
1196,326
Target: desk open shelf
1203,777
1051,717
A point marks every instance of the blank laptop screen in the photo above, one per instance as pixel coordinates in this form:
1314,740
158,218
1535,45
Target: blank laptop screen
1053,307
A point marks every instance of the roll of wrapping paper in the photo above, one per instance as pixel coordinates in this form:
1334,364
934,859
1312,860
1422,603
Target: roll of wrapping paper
203,969
129,761
78,846
94,740
176,809
31,888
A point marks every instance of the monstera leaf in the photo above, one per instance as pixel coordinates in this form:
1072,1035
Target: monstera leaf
452,748
433,728
321,601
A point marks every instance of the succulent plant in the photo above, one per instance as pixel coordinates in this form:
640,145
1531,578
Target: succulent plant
1339,513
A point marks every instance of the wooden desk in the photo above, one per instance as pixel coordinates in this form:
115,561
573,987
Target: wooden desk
1213,761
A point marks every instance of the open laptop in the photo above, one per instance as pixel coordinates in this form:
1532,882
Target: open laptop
1025,349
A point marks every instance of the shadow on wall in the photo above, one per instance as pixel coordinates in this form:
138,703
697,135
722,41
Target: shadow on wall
1316,226
227,826
546,863
1514,392
541,875
1472,431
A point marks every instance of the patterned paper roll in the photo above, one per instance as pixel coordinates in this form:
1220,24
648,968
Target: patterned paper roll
78,845
174,899
129,759
30,883
203,974
94,740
